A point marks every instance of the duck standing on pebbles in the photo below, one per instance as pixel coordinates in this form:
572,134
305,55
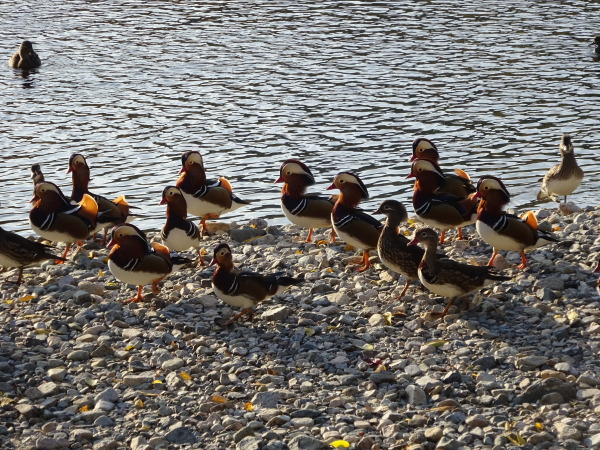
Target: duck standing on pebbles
56,219
446,277
442,211
457,183
17,251
25,58
352,225
112,212
394,251
504,231
307,211
179,233
133,260
205,198
244,289
562,179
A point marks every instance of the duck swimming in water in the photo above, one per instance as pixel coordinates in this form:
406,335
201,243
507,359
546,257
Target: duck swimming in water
25,58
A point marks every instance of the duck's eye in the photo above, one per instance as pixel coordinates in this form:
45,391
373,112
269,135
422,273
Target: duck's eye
421,150
486,187
288,173
387,207
342,181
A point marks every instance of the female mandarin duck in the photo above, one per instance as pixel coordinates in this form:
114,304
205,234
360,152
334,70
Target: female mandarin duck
244,289
179,233
308,211
133,260
17,251
205,198
446,277
562,179
54,218
504,231
458,183
112,212
442,211
393,248
37,175
352,225
25,58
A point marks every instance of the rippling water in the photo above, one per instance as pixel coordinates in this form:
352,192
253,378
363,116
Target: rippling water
340,85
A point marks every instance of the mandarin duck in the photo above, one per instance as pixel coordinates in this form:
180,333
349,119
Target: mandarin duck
205,198
56,219
244,289
307,211
438,210
505,231
25,58
179,233
133,260
37,175
596,42
447,277
457,183
17,251
394,251
113,212
562,179
352,225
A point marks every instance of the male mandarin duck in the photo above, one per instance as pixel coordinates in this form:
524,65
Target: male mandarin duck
392,246
133,260
205,198
244,289
442,211
112,212
562,179
17,251
308,211
351,224
457,183
54,218
179,233
446,277
25,58
505,231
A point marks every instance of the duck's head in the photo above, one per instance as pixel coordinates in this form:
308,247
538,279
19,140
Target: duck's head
348,182
26,46
293,169
76,161
222,255
46,190
393,209
427,237
566,145
127,232
422,167
36,171
423,148
488,186
170,195
191,159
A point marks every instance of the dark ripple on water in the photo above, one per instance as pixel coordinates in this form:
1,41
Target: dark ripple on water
341,85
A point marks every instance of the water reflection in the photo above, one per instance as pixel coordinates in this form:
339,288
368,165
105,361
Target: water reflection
339,85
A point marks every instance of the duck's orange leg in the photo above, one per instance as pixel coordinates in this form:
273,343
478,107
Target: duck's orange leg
445,311
248,311
155,287
405,289
442,237
309,237
366,264
491,261
136,299
200,260
332,235
103,241
204,219
460,235
64,255
523,261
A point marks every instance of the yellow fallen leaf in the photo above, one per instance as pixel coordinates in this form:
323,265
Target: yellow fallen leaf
157,382
90,255
105,259
203,252
309,331
218,399
556,228
26,298
145,428
437,343
139,403
8,302
129,347
381,368
252,226
322,242
184,375
252,239
298,252
42,331
366,347
84,408
516,439
388,318
572,315
539,426
329,269
340,444
248,406
100,273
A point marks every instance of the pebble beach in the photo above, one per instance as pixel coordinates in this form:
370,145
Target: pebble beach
336,362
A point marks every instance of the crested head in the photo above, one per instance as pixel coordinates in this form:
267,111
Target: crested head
77,160
426,236
291,167
345,179
565,146
191,157
222,256
35,168
393,208
171,192
488,183
45,187
124,231
423,148
421,167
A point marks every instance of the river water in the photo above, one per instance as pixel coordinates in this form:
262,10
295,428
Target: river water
340,85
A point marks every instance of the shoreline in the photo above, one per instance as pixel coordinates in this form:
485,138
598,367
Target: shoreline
337,358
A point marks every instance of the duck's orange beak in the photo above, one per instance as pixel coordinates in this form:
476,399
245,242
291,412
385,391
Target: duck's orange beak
333,186
183,169
111,243
412,158
476,195
213,262
163,201
34,199
410,175
279,180
415,241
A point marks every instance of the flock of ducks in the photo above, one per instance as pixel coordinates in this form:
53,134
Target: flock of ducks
441,201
